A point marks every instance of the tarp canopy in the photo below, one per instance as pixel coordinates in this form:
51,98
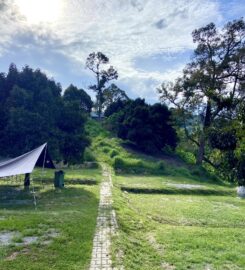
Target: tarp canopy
26,163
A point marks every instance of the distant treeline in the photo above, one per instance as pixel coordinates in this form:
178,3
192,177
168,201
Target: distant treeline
33,111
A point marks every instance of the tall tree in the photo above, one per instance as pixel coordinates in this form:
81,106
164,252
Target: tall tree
97,63
213,83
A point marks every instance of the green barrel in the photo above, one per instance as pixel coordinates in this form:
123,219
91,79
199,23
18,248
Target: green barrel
59,179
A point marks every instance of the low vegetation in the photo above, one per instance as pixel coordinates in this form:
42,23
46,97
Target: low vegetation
58,232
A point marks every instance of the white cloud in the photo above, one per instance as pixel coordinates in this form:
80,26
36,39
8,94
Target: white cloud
123,30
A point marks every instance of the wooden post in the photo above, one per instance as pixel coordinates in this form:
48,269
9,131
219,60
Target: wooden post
27,181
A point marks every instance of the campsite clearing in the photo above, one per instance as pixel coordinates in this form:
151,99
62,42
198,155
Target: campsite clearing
59,233
177,230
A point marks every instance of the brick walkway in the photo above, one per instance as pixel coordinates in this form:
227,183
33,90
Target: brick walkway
106,225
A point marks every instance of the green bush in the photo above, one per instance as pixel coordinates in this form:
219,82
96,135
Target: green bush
131,165
118,163
114,153
161,165
102,144
89,156
186,156
106,150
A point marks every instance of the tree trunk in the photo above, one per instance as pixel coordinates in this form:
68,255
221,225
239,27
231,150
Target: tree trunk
100,104
201,150
202,140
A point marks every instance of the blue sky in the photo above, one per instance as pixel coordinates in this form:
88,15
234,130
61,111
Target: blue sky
147,41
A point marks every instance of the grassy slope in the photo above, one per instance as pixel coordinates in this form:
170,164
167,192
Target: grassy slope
182,230
70,212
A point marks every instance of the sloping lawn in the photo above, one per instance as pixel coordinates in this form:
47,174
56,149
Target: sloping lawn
59,233
182,230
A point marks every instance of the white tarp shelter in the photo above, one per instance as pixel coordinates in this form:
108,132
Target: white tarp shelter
25,163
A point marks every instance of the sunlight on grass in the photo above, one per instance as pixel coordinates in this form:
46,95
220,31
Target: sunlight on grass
58,235
178,231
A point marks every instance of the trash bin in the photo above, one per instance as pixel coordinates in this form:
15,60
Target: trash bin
59,179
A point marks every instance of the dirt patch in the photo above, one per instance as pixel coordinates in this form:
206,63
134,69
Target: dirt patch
186,186
6,238
49,236
9,238
153,242
167,266
28,240
241,191
52,233
16,253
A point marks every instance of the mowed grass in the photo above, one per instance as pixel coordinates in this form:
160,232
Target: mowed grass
181,230
164,224
63,223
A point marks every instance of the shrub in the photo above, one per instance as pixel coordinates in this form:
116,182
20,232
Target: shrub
106,150
114,153
118,163
161,165
186,156
89,156
131,165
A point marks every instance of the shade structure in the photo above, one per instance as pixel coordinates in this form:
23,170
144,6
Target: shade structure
27,162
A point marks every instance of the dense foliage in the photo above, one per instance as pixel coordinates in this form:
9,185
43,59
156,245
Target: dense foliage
146,126
115,107
213,87
79,98
33,111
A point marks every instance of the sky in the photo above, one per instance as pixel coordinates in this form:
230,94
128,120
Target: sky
147,41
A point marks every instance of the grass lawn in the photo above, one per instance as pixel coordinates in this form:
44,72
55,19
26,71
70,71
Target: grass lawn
171,215
192,230
59,233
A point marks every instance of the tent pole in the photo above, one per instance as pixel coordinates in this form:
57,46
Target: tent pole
45,153
34,196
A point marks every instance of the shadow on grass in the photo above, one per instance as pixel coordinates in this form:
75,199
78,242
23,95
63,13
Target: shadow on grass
16,198
179,191
89,182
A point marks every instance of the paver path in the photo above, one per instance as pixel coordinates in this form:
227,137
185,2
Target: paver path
106,225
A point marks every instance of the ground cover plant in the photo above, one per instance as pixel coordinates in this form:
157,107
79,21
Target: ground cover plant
59,233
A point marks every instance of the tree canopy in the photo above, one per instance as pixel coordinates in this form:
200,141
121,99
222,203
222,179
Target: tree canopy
97,63
79,98
33,111
212,86
146,126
